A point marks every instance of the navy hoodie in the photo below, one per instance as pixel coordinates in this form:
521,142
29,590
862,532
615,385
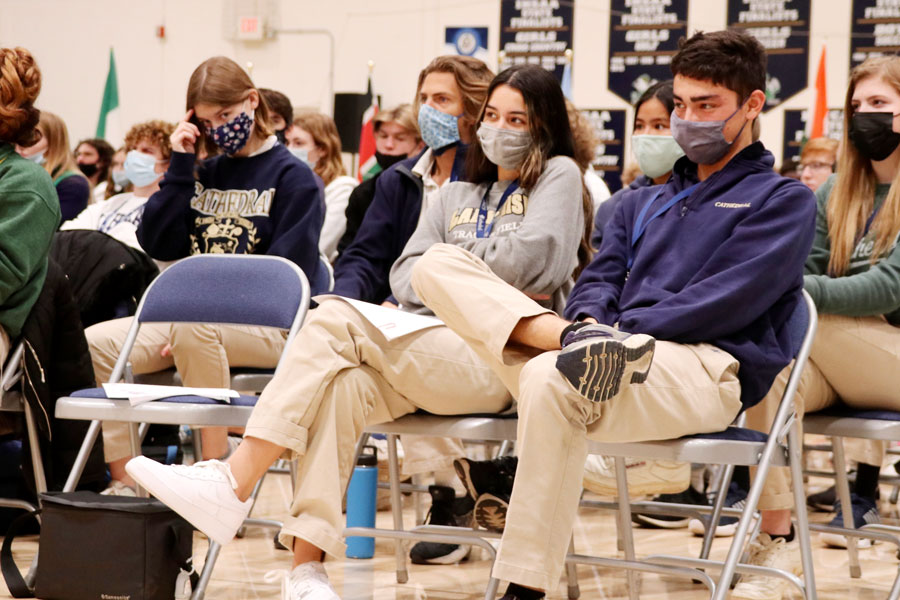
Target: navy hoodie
607,208
264,204
723,266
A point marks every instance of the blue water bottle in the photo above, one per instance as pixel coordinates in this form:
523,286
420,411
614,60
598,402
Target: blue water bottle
361,503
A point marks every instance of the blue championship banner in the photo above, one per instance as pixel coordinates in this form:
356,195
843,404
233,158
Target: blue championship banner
782,27
796,130
875,29
609,156
536,32
643,37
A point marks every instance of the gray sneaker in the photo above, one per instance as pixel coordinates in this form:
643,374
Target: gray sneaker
595,359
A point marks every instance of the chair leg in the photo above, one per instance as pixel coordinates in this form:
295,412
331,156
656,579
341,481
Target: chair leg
491,592
842,487
197,444
724,481
506,448
574,592
34,446
253,497
397,507
81,459
795,448
211,556
624,525
417,500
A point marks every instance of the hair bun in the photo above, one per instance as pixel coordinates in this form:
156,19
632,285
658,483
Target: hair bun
20,84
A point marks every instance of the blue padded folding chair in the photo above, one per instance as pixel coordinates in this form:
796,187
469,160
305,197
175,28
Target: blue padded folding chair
266,291
838,422
735,446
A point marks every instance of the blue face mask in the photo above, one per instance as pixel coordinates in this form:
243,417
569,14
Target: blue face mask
120,179
139,168
439,129
303,155
38,158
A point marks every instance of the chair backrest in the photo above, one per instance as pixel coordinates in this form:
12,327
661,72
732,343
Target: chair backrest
323,279
798,324
237,289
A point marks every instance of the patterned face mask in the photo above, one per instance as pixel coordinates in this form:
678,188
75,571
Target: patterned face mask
233,135
439,130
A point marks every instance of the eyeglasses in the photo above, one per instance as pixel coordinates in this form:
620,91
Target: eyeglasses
816,166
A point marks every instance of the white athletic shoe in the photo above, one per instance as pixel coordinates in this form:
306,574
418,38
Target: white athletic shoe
202,493
117,488
308,581
768,552
645,477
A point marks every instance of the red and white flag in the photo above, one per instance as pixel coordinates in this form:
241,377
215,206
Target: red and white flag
368,165
820,111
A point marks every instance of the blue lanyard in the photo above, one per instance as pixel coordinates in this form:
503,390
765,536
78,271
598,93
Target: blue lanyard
870,220
640,226
483,228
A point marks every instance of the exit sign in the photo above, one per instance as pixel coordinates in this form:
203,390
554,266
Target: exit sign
250,28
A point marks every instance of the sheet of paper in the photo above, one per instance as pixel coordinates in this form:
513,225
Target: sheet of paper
392,323
138,393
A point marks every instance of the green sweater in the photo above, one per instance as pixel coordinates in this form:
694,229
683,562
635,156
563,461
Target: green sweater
29,214
866,290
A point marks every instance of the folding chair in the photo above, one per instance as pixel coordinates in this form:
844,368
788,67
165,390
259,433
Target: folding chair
734,446
837,423
257,290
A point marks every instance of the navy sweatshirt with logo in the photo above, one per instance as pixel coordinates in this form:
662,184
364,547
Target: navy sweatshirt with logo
269,203
723,266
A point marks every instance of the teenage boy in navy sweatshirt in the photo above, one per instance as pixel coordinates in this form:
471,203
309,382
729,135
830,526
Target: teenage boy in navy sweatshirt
699,275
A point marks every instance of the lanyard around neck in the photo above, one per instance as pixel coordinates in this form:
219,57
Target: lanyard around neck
640,226
483,228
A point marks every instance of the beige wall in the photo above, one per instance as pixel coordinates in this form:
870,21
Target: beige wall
71,40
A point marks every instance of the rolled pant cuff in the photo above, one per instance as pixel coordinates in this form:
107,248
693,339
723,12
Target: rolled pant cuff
427,466
783,501
278,431
526,577
315,531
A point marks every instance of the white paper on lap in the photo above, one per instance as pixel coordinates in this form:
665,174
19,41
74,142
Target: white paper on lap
391,322
138,393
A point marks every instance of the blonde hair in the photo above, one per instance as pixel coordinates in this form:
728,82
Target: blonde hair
58,157
403,115
222,82
472,77
20,84
852,198
325,135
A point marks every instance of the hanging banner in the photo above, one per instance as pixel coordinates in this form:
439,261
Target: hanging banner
643,38
609,156
875,29
466,41
782,27
796,123
536,32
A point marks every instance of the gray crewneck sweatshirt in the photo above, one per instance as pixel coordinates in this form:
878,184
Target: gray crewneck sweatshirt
533,245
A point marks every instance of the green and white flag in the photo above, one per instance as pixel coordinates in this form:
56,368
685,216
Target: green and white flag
109,126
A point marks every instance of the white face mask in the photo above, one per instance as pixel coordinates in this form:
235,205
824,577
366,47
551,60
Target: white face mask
505,148
656,154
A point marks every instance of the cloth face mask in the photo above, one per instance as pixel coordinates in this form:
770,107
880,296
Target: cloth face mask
656,154
704,141
139,168
872,133
505,148
439,130
233,135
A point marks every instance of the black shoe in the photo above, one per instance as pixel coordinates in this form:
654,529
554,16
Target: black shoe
865,512
446,509
735,498
823,501
688,496
490,512
493,476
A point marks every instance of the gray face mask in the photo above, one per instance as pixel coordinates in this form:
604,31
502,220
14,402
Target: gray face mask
703,141
504,147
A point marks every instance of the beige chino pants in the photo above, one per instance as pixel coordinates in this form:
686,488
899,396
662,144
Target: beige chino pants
691,389
852,359
4,348
201,353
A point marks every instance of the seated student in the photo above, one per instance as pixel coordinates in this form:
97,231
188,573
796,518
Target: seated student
817,161
522,214
93,157
852,275
396,138
585,150
27,199
117,182
313,138
185,217
149,151
52,152
699,286
280,110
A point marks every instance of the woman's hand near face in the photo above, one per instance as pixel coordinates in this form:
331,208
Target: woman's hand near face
184,138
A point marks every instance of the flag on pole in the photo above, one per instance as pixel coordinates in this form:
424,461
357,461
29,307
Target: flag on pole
566,82
109,125
368,165
820,113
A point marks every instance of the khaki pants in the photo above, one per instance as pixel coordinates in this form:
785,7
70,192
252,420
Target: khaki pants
201,353
690,389
852,359
4,348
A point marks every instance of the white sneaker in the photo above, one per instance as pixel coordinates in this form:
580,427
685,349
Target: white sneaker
202,493
645,477
308,581
117,488
768,552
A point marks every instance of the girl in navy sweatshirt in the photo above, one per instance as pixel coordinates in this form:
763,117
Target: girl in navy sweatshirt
253,198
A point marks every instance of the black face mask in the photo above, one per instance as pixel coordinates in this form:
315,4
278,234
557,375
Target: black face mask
385,161
280,135
873,134
88,170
